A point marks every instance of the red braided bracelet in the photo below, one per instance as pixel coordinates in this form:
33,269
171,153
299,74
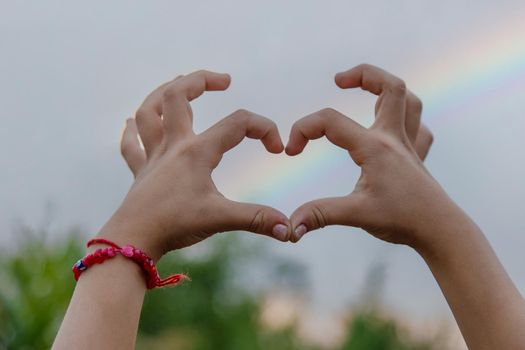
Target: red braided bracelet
153,279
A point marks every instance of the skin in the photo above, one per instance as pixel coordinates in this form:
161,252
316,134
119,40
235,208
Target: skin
173,197
173,203
397,200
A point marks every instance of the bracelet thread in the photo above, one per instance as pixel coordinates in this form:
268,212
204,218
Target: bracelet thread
100,255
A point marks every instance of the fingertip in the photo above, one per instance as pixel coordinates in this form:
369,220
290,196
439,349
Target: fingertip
299,232
293,147
278,142
338,79
350,78
131,124
281,232
126,128
227,80
272,140
297,218
303,220
289,150
274,146
276,225
299,226
224,81
281,229
217,81
279,148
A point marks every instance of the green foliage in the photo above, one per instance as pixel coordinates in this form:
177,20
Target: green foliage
35,288
369,331
213,311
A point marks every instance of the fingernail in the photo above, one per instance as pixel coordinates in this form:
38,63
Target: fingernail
300,231
280,231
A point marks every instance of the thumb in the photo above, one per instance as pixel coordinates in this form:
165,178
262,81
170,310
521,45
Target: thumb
323,212
255,218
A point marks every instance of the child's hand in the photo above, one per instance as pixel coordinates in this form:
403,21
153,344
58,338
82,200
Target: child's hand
395,197
174,202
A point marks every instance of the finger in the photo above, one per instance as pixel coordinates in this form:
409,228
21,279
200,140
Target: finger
414,107
230,131
423,142
391,89
255,218
177,113
130,147
323,212
339,129
149,120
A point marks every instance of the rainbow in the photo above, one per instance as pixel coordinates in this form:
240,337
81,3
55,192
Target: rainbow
473,69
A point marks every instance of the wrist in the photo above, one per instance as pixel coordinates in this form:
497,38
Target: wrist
117,268
112,250
447,229
125,229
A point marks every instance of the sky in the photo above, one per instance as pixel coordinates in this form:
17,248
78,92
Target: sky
71,72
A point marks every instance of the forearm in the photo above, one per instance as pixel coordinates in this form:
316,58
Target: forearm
105,308
487,306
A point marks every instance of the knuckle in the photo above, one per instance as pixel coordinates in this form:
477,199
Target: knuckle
201,72
329,113
272,127
240,116
141,114
364,66
398,86
319,216
241,111
172,91
257,223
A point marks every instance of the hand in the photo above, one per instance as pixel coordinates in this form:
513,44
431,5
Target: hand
173,202
395,196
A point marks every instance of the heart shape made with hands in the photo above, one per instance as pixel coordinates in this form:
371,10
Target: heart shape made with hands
173,183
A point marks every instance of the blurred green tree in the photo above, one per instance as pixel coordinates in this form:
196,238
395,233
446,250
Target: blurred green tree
367,330
216,310
212,311
35,288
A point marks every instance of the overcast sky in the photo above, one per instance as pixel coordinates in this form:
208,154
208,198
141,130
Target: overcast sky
71,72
